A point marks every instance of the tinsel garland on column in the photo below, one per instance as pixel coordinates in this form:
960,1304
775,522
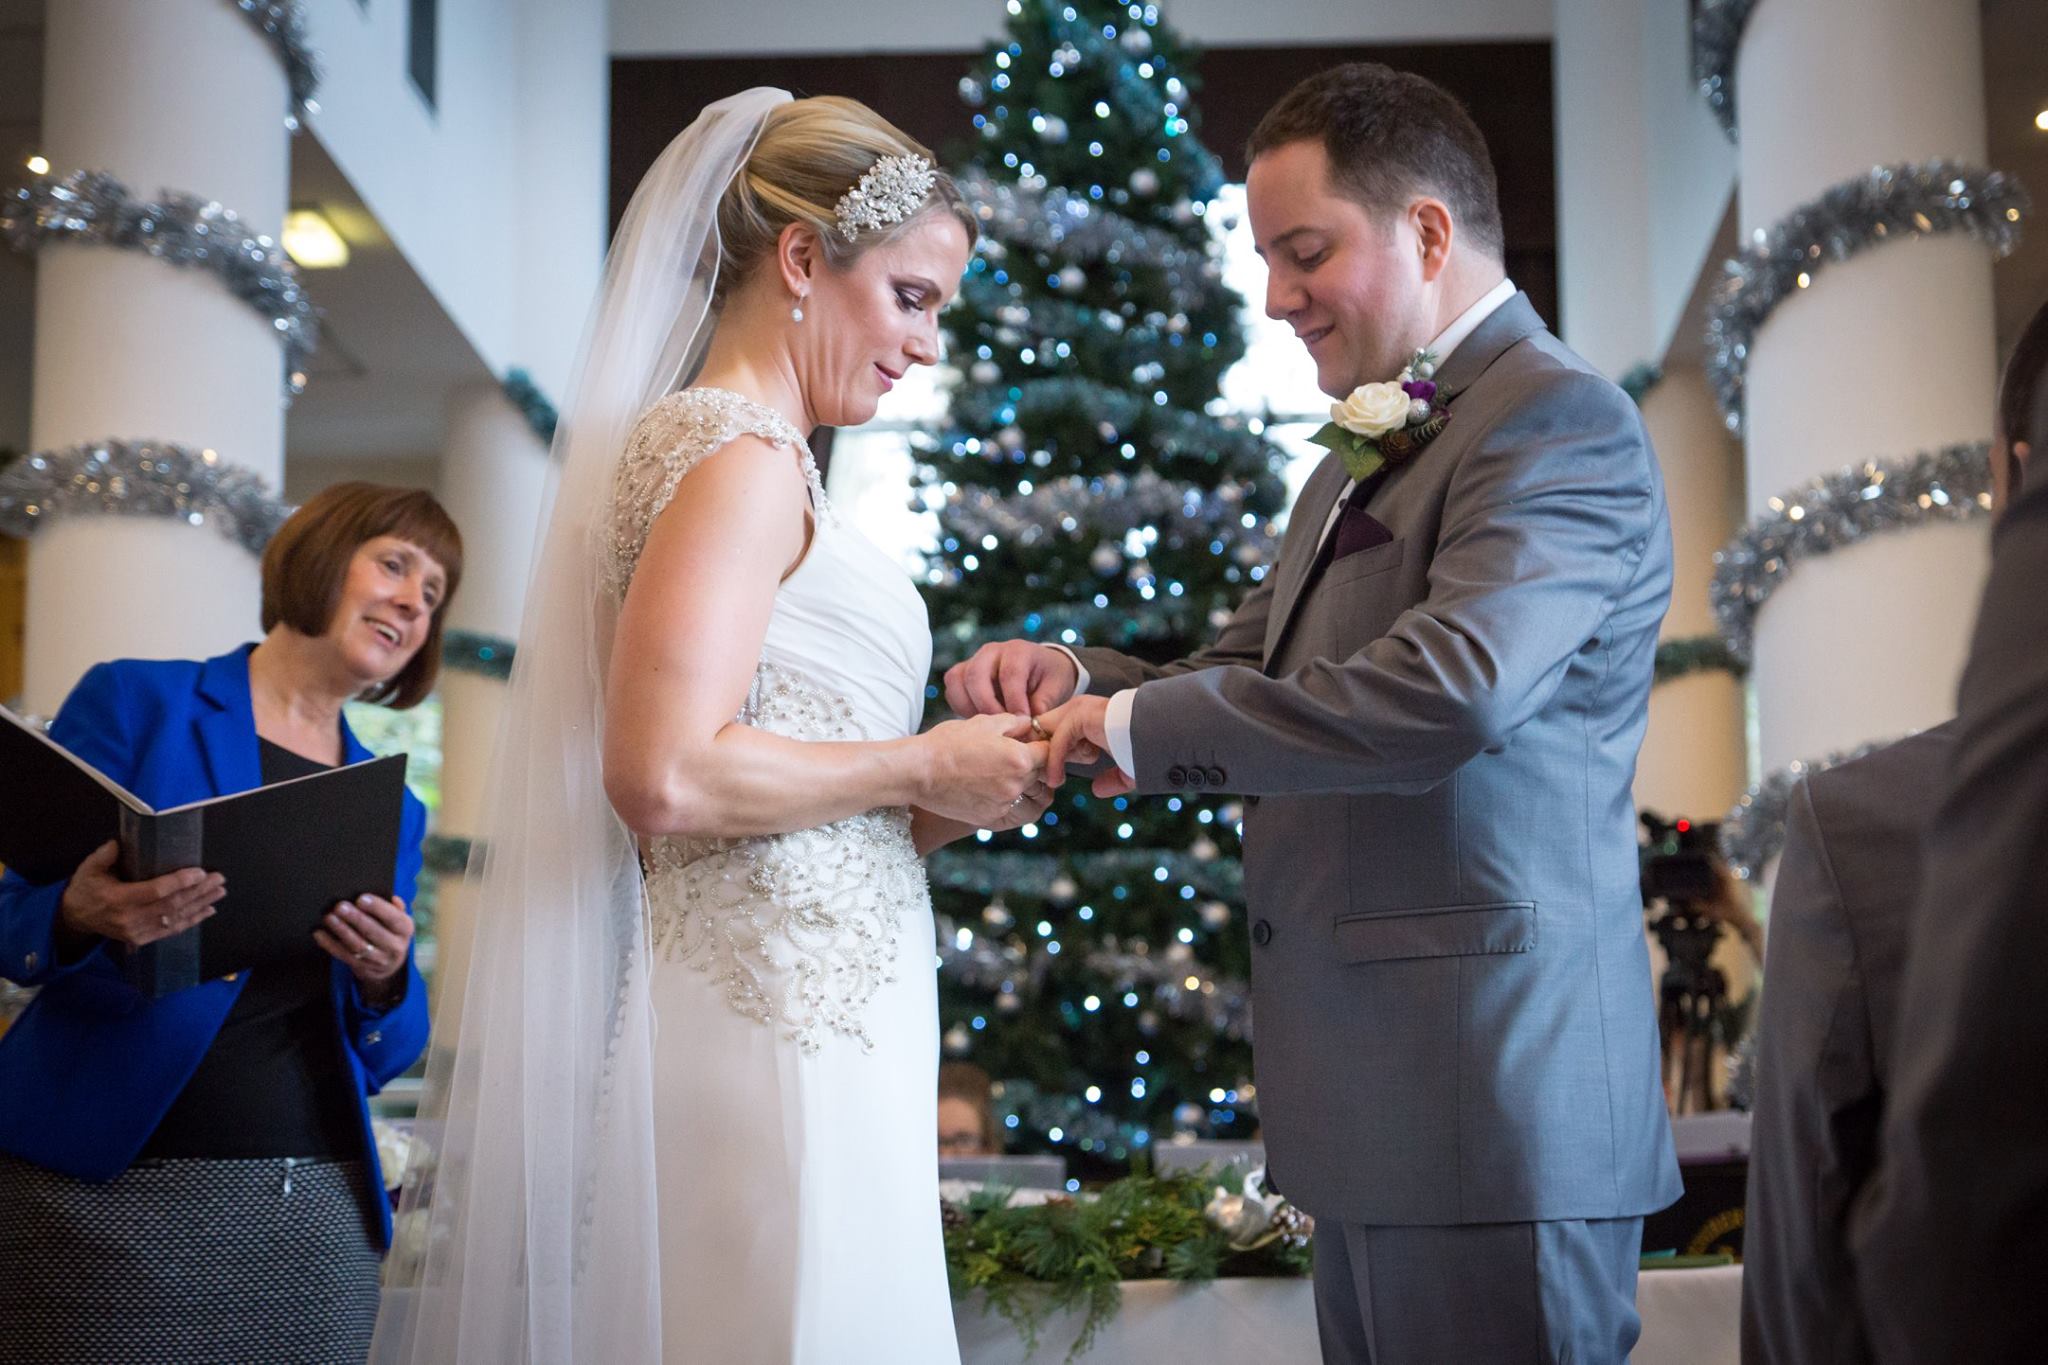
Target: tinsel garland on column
139,479
1888,203
283,25
92,208
1696,654
471,651
1839,510
533,405
1716,37
1753,832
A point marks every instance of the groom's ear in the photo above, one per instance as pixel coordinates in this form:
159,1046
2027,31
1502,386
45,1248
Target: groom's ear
1435,230
798,256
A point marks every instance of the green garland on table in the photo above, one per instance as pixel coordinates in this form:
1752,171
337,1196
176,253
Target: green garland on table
1033,1262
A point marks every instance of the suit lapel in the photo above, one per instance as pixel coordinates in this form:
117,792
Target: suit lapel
1298,550
227,728
1512,322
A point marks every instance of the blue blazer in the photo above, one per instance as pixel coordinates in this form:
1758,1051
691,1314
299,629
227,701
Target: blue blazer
91,1067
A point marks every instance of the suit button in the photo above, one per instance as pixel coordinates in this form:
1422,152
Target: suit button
1176,776
1262,933
1216,776
1196,780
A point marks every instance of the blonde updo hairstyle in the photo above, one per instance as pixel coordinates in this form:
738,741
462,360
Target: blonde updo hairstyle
809,153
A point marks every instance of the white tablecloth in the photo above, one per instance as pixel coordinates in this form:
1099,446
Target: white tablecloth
1690,1317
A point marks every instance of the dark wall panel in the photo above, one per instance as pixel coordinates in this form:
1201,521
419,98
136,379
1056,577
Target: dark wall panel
1507,86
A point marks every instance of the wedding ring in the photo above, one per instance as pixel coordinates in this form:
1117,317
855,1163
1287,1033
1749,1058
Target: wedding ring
365,953
1040,730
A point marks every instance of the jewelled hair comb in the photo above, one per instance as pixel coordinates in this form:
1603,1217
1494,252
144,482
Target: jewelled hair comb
894,188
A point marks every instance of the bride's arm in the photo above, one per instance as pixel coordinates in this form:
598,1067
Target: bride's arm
688,640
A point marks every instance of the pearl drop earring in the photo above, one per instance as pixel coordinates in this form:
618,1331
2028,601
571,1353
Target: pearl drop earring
796,314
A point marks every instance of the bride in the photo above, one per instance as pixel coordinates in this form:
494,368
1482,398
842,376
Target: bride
689,1111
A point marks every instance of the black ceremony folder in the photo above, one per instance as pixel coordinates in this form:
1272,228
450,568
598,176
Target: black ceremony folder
289,851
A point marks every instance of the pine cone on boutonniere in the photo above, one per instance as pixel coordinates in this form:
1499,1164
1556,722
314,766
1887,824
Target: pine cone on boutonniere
1388,423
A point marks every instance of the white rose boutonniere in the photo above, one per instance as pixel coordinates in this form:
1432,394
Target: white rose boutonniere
1387,422
1372,410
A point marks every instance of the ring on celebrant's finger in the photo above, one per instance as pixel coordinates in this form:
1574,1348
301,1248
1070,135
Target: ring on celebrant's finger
1040,731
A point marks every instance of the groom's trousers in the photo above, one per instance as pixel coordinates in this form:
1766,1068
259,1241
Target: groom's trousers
1560,1293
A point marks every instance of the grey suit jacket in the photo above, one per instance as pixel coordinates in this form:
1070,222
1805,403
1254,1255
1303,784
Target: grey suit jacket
1452,990
1950,1253
1841,912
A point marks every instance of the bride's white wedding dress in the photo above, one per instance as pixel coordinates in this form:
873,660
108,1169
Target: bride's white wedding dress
795,1003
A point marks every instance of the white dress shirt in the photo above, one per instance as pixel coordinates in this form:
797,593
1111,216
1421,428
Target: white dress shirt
1118,721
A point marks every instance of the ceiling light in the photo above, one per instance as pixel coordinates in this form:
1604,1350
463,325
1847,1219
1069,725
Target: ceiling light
2041,120
38,165
311,240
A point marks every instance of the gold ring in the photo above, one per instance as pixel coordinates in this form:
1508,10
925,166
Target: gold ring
1040,730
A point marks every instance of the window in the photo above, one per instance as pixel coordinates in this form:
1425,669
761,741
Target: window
422,45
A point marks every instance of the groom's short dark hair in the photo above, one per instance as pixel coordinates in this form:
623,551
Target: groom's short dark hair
1390,134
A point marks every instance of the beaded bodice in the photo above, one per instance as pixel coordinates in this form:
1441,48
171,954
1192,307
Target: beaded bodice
798,929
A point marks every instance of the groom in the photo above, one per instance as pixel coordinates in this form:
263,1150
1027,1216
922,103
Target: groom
1433,706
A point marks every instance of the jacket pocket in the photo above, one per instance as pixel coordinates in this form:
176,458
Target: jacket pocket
1439,931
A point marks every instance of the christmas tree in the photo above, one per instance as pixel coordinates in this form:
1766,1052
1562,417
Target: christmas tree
1089,489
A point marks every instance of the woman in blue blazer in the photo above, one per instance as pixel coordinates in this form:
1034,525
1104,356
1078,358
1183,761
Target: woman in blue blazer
193,1178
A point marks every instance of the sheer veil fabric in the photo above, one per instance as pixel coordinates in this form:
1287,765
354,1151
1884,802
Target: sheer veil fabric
528,1229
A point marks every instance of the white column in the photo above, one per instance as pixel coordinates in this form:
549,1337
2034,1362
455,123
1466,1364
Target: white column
1603,221
186,97
1890,353
493,475
1694,758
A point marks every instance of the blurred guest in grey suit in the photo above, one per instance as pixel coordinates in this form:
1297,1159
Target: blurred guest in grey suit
1949,1247
1434,704
1827,1041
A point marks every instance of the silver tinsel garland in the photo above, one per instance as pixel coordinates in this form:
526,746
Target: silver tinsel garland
1716,36
1753,832
1160,979
1093,509
92,208
1021,873
1887,203
1840,509
139,479
283,25
1078,231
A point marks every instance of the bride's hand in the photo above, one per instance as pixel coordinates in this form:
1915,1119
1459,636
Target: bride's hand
981,771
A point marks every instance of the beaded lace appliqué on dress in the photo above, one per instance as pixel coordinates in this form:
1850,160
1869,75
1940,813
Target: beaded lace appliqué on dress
798,929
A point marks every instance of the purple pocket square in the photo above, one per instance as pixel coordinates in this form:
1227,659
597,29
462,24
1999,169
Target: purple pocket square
1357,530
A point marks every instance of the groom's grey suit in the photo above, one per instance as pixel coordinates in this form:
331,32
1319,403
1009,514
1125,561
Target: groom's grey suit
1437,737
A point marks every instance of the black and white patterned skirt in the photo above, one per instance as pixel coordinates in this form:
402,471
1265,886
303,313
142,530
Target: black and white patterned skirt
187,1263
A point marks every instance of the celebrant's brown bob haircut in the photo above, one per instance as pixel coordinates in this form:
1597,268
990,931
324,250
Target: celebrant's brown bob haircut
307,561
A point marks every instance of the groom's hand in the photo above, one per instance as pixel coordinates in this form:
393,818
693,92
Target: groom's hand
1080,734
1016,677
